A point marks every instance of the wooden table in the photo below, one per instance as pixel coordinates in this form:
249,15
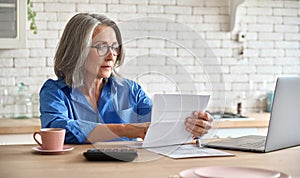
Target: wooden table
20,161
23,126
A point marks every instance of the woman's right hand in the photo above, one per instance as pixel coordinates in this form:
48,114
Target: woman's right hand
137,130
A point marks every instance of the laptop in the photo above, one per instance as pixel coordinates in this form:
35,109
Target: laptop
283,130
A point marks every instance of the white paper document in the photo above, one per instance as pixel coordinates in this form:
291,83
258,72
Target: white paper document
188,151
168,116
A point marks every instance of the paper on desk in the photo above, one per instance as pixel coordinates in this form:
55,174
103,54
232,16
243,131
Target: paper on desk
168,116
188,151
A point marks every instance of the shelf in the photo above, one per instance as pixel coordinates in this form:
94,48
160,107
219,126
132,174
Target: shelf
233,5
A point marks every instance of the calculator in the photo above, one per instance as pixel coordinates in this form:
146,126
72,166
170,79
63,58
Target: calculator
111,154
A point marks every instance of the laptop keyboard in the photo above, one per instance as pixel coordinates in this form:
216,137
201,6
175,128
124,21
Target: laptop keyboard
257,144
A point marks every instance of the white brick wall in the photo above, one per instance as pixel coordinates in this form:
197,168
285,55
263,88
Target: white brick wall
272,46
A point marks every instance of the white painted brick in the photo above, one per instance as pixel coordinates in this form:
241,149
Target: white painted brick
217,3
287,61
286,28
212,78
188,70
55,25
51,43
249,19
49,61
191,2
216,19
150,43
261,61
207,27
45,16
91,7
223,52
188,19
291,20
170,70
65,16
150,9
272,53
34,71
6,62
242,69
121,8
291,70
164,51
38,7
259,11
13,72
287,45
291,4
167,35
235,78
270,36
35,43
49,52
59,7
260,44
23,62
43,34
229,44
252,35
75,1
269,69
134,2
41,25
251,53
270,20
292,53
153,60
206,10
212,43
10,53
7,81
104,1
31,80
133,52
231,61
217,35
292,36
178,10
260,27
268,3
285,12
160,2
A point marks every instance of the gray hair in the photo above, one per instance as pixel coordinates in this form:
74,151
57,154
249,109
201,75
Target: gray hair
73,47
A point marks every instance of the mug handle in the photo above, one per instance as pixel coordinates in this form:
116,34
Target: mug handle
34,134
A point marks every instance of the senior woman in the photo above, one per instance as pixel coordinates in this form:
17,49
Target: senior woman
89,99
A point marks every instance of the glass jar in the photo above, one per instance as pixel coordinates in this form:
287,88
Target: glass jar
23,103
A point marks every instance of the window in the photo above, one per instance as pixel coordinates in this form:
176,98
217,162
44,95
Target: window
12,24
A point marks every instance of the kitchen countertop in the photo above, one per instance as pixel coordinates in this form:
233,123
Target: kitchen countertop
25,126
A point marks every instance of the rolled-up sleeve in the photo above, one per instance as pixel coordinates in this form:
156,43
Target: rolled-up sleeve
56,112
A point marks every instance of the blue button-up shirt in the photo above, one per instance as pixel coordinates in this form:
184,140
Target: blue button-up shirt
121,101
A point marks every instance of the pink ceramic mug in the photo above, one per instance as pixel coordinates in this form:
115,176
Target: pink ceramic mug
52,138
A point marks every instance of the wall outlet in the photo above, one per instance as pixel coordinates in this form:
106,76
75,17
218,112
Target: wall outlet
241,37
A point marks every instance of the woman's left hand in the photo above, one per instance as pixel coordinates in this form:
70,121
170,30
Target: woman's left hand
199,123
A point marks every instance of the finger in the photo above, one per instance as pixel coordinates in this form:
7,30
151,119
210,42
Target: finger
198,132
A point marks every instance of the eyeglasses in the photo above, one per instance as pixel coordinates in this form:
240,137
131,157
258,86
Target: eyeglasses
103,49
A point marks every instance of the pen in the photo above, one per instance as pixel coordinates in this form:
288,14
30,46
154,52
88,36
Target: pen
197,141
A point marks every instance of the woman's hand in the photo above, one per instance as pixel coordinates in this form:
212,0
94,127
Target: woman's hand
137,130
199,123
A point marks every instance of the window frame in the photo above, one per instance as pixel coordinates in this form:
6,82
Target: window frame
20,40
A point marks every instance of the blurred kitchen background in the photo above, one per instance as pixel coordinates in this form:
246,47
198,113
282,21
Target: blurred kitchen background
248,43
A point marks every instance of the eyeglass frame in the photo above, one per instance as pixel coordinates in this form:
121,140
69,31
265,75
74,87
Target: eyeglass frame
109,48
